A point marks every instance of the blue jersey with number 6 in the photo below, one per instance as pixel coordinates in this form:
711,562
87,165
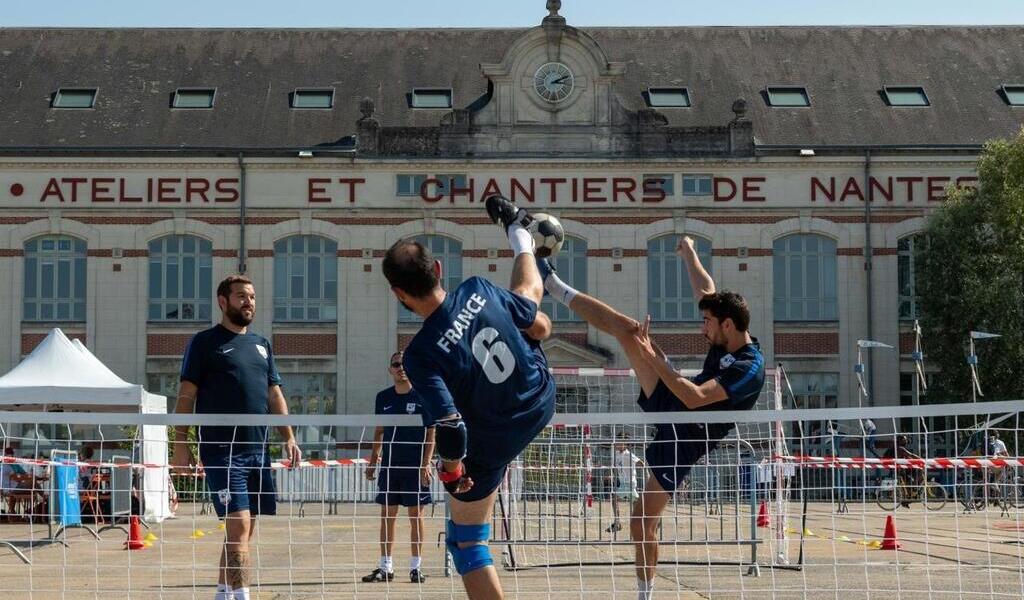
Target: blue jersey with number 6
471,357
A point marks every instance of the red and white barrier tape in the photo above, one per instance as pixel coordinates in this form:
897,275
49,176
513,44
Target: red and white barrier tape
901,463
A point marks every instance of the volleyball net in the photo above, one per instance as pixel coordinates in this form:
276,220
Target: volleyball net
905,502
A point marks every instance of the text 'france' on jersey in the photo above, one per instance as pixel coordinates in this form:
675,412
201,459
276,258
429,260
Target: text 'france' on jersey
471,357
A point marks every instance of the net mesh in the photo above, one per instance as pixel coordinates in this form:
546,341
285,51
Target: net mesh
798,504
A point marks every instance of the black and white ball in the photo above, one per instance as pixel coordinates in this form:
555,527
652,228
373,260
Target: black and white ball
548,234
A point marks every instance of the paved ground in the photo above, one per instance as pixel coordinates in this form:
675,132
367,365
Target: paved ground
945,554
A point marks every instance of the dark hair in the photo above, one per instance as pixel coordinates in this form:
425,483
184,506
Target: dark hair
224,289
727,305
409,266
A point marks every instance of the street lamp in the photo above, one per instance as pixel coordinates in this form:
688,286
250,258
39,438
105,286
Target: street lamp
972,361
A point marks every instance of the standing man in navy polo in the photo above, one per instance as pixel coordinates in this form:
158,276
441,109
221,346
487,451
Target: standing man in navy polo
230,370
404,455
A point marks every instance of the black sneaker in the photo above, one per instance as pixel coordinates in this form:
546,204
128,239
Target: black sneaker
417,576
502,210
378,575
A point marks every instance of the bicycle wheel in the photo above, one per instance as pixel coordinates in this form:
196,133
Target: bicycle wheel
970,496
886,498
934,496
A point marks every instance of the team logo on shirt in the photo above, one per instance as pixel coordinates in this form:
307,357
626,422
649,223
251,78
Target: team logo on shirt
262,351
410,407
723,363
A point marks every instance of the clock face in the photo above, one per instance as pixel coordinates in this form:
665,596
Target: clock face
553,82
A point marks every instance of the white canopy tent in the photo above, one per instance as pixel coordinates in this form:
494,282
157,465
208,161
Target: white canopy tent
62,375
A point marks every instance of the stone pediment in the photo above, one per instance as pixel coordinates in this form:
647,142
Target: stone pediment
563,353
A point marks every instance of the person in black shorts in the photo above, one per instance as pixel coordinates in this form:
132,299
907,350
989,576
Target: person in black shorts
404,455
228,369
732,379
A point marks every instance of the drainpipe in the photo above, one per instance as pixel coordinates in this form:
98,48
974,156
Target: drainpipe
868,196
241,214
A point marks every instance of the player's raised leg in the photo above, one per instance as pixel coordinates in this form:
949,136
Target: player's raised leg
468,531
526,278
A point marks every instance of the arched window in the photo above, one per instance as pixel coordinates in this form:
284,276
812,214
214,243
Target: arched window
305,279
669,293
805,278
180,278
571,264
449,252
54,279
907,275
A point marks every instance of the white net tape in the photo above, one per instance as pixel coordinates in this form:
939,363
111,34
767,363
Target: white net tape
796,504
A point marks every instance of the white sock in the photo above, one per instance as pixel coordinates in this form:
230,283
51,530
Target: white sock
520,239
559,290
415,562
223,592
241,594
387,564
644,589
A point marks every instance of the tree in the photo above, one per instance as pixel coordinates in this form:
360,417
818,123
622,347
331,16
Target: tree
970,276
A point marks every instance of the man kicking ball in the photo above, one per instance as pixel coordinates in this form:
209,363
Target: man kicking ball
731,379
477,365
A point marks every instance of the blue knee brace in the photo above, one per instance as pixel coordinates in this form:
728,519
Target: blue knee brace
473,557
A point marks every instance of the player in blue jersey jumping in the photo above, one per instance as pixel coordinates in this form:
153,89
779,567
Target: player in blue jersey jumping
731,379
478,367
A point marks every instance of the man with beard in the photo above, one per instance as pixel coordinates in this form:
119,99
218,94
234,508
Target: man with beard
731,379
228,369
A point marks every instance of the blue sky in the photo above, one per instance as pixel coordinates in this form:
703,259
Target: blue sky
497,13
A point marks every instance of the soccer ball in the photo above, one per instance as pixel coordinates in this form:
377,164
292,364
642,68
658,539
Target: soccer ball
548,235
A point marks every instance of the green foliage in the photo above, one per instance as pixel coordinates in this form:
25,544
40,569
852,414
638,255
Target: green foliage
970,276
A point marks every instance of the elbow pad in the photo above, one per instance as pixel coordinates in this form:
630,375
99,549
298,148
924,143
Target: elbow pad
451,439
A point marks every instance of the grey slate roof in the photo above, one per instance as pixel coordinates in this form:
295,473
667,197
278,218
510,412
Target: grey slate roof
843,68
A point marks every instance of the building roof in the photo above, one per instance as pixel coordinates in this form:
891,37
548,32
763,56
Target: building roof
843,68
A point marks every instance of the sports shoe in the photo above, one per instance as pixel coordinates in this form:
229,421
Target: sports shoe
614,527
502,210
378,575
417,576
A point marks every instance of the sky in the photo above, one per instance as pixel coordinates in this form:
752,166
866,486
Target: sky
498,13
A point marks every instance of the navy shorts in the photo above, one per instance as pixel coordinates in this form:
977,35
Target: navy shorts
675,448
401,486
239,481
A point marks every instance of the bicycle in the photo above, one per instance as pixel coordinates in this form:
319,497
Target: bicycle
892,493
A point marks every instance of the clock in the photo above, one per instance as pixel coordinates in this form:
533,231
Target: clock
553,82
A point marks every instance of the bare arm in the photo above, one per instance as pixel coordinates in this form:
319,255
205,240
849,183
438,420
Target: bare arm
186,404
278,406
426,473
689,393
378,443
700,281
541,328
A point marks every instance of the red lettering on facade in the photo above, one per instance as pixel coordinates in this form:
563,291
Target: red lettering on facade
828,192
967,181
624,186
852,188
75,182
52,189
196,187
751,186
165,189
653,192
937,189
122,192
592,187
491,188
227,186
719,196
100,189
315,189
552,183
460,191
886,191
351,182
519,189
909,181
425,188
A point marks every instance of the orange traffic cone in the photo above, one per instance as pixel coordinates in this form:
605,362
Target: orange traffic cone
134,535
889,538
762,516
